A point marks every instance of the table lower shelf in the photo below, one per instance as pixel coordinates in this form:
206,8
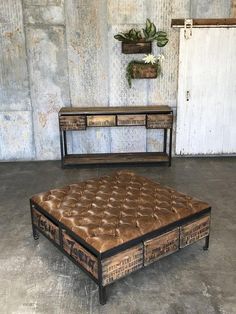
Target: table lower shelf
85,159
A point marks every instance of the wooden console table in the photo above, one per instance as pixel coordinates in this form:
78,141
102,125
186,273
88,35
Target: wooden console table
152,117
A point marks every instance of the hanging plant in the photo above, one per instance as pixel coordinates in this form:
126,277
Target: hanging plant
151,34
136,41
148,68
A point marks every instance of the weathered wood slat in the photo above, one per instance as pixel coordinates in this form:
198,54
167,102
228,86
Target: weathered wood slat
122,264
80,254
161,246
46,226
194,231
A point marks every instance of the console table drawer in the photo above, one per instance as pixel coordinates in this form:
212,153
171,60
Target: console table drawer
102,120
131,119
159,121
72,123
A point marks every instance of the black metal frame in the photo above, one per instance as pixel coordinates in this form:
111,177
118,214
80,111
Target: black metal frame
63,137
111,252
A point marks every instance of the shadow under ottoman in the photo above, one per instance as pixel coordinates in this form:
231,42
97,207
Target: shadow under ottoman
114,225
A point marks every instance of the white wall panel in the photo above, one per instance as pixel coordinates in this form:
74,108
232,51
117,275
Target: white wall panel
16,141
14,84
49,86
88,60
210,8
42,12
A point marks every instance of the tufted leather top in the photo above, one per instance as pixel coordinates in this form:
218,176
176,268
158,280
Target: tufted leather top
112,210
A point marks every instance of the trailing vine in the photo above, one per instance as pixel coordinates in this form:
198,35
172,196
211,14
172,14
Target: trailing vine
129,69
129,72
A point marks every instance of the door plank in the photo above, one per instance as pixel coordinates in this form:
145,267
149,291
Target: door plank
207,67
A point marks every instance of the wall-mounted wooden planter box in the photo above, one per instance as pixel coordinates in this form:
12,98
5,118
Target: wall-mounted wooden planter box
137,47
143,71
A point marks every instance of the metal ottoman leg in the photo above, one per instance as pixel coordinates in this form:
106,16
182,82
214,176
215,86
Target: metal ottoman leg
35,233
206,246
102,295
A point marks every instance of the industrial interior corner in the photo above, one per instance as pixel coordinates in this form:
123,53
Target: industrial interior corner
117,156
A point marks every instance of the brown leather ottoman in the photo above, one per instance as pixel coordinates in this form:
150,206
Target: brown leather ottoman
114,225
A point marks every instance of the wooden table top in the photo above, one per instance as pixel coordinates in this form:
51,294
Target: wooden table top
115,110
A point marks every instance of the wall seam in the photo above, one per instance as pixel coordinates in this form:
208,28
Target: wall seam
68,69
34,154
67,55
108,71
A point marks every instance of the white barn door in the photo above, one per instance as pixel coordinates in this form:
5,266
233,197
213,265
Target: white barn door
206,109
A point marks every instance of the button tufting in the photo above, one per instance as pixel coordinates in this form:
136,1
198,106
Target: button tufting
114,209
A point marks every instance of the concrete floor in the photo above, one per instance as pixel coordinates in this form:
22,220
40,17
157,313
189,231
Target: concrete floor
37,278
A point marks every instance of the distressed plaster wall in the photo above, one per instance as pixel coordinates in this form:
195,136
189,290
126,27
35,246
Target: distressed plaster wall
233,8
56,53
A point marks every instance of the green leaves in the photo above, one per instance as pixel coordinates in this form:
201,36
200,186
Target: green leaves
120,37
149,34
129,73
161,39
132,35
150,30
148,26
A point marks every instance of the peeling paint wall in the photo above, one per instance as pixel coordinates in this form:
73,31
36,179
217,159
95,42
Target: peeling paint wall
56,53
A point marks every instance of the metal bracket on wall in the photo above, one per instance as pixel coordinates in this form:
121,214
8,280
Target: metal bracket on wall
188,26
